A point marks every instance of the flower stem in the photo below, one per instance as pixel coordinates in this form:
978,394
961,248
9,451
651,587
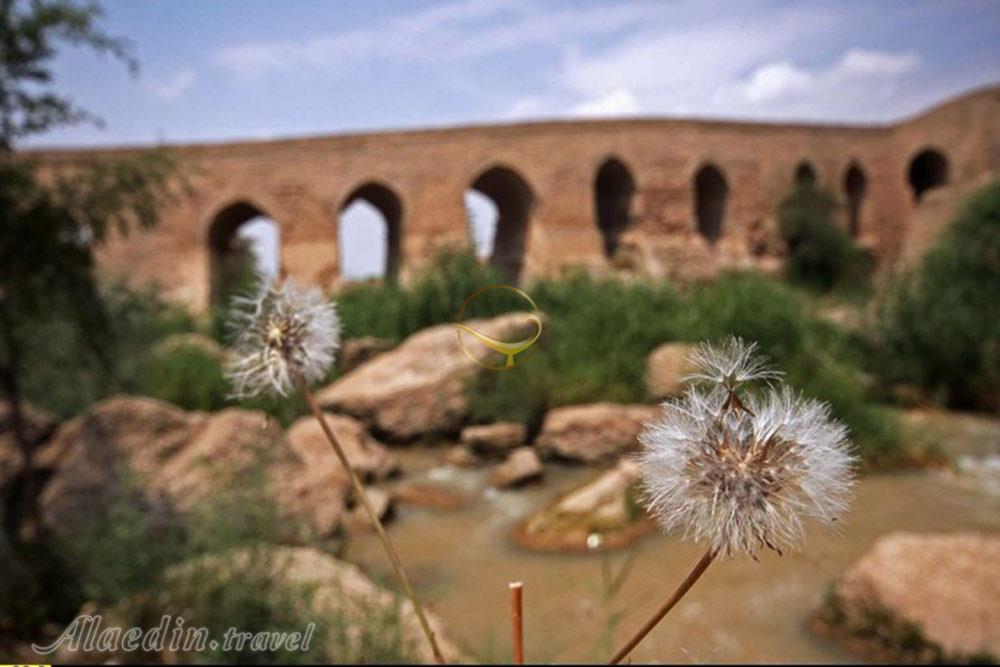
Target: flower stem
359,491
679,593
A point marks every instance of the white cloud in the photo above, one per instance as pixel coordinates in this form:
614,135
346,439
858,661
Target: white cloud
856,79
526,107
775,81
861,61
175,86
454,31
681,67
619,102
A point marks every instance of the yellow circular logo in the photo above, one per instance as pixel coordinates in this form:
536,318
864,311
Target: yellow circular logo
509,350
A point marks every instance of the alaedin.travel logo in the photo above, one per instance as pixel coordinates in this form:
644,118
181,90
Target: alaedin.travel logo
508,349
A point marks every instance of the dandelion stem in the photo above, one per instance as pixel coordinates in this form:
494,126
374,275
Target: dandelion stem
516,619
359,491
681,591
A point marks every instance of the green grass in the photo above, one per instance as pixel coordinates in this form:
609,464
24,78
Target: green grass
599,334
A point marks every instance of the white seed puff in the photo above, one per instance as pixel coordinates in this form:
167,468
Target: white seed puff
742,470
282,333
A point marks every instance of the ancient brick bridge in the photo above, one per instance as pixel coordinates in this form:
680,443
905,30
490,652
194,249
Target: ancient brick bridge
676,198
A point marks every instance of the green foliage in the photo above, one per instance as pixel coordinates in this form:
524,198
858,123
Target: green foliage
599,334
66,375
188,376
435,297
939,327
234,273
820,254
29,36
141,560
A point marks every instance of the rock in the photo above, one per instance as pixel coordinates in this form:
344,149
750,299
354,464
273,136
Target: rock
225,446
593,432
357,351
418,387
460,457
921,597
343,587
521,466
666,367
174,459
601,513
352,605
494,439
38,426
954,433
431,496
381,501
97,447
369,457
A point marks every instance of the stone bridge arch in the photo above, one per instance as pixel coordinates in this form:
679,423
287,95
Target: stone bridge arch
711,200
855,189
389,203
515,201
928,169
229,260
614,194
805,174
705,195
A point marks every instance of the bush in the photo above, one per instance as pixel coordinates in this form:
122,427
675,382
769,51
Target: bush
938,326
594,348
599,334
137,563
820,254
435,297
188,376
69,372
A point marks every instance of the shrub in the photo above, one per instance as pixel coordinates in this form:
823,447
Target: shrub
938,326
137,563
599,334
594,348
820,254
188,376
435,297
67,376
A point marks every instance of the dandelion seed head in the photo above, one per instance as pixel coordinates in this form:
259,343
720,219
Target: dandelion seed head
282,333
731,364
745,475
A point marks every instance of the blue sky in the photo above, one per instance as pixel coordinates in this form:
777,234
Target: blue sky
258,69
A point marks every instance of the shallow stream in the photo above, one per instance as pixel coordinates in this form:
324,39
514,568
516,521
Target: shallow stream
741,611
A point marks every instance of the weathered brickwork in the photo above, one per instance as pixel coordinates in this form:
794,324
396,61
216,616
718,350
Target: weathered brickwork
682,199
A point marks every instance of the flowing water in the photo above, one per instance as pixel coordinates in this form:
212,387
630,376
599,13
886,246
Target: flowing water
462,560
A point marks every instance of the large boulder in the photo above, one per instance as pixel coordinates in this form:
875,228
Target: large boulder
494,439
356,351
369,457
38,426
173,459
593,432
666,368
344,604
921,597
601,513
343,588
521,466
419,387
